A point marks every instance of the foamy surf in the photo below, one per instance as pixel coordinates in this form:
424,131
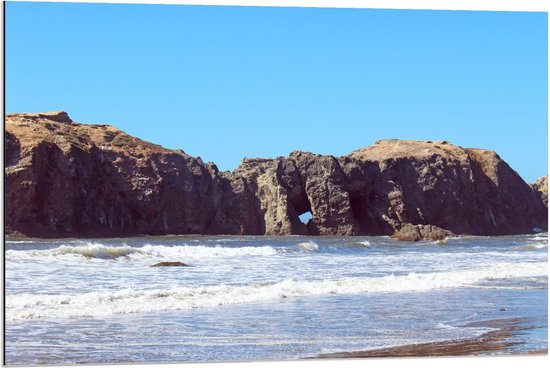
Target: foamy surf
95,250
536,246
199,251
309,246
23,306
100,251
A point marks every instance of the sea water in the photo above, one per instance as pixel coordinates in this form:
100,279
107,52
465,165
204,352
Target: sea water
245,298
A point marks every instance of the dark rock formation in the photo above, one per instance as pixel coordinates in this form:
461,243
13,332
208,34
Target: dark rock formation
170,264
409,232
69,179
541,188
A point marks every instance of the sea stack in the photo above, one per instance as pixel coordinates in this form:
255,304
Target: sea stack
63,178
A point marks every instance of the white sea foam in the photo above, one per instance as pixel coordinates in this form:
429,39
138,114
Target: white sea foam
365,243
207,251
543,237
100,251
23,306
309,246
534,246
95,250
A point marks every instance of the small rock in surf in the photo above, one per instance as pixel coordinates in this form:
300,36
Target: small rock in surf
170,264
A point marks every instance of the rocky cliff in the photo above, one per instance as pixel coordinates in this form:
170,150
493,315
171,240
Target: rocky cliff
69,179
541,188
63,178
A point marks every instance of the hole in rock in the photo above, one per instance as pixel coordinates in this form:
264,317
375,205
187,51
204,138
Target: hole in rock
305,217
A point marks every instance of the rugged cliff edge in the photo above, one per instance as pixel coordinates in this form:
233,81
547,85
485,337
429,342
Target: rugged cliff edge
68,179
541,188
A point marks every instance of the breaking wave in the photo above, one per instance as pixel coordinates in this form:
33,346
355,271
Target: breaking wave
309,246
536,246
24,306
94,250
100,251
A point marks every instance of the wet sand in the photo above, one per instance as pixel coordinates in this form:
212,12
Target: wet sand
491,343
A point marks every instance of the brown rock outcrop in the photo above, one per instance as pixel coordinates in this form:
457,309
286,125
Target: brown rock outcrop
466,191
541,188
409,232
69,179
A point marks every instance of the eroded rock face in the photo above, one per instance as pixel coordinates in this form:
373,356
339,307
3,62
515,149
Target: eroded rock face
466,191
69,179
541,188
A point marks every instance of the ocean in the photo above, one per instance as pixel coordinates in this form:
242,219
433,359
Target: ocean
248,298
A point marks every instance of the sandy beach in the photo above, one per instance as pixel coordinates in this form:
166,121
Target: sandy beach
491,343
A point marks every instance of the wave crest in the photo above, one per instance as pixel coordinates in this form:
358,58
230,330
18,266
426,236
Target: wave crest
96,250
31,306
309,246
534,246
101,251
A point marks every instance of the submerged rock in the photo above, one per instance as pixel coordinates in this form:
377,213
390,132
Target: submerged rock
170,264
63,178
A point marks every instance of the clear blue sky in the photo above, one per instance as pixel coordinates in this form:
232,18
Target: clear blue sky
225,83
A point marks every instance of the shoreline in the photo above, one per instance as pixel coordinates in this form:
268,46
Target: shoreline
490,343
